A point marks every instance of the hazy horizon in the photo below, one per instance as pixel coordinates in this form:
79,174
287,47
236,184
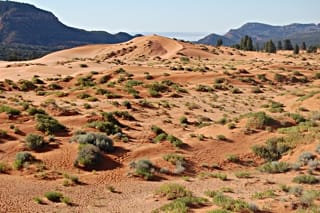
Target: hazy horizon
186,16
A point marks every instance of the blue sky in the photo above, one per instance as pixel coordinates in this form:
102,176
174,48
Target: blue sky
178,15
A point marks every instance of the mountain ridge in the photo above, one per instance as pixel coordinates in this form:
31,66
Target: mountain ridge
261,32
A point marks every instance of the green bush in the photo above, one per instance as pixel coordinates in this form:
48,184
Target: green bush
173,191
182,205
22,158
259,120
102,141
9,110
88,156
173,158
231,204
106,127
242,174
183,120
174,141
263,195
275,167
35,142
4,168
273,149
25,85
143,168
157,130
306,179
54,196
33,111
47,124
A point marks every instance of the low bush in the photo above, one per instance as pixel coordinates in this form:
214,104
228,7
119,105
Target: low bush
49,125
143,168
182,205
54,196
275,167
174,158
306,179
172,191
9,110
35,142
88,156
22,158
102,141
263,195
272,150
231,204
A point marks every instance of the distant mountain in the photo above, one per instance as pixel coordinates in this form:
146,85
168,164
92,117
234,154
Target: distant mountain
213,38
260,33
24,24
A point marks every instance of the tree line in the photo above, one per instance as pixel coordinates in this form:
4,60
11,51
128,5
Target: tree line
246,43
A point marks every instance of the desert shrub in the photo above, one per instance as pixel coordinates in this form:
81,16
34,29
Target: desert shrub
34,111
174,140
297,117
308,197
54,86
3,134
9,110
231,126
306,179
263,195
220,176
49,125
104,79
313,164
182,205
242,174
172,191
183,120
25,85
4,168
127,104
272,150
275,167
83,95
233,158
236,90
219,211
161,137
173,158
54,196
203,88
102,141
305,157
157,130
108,116
143,168
211,193
35,142
86,81
229,203
279,77
22,158
88,156
105,126
124,115
259,120
221,138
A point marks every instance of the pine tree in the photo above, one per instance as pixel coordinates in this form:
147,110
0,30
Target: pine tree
296,49
287,45
303,46
269,47
279,46
219,42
